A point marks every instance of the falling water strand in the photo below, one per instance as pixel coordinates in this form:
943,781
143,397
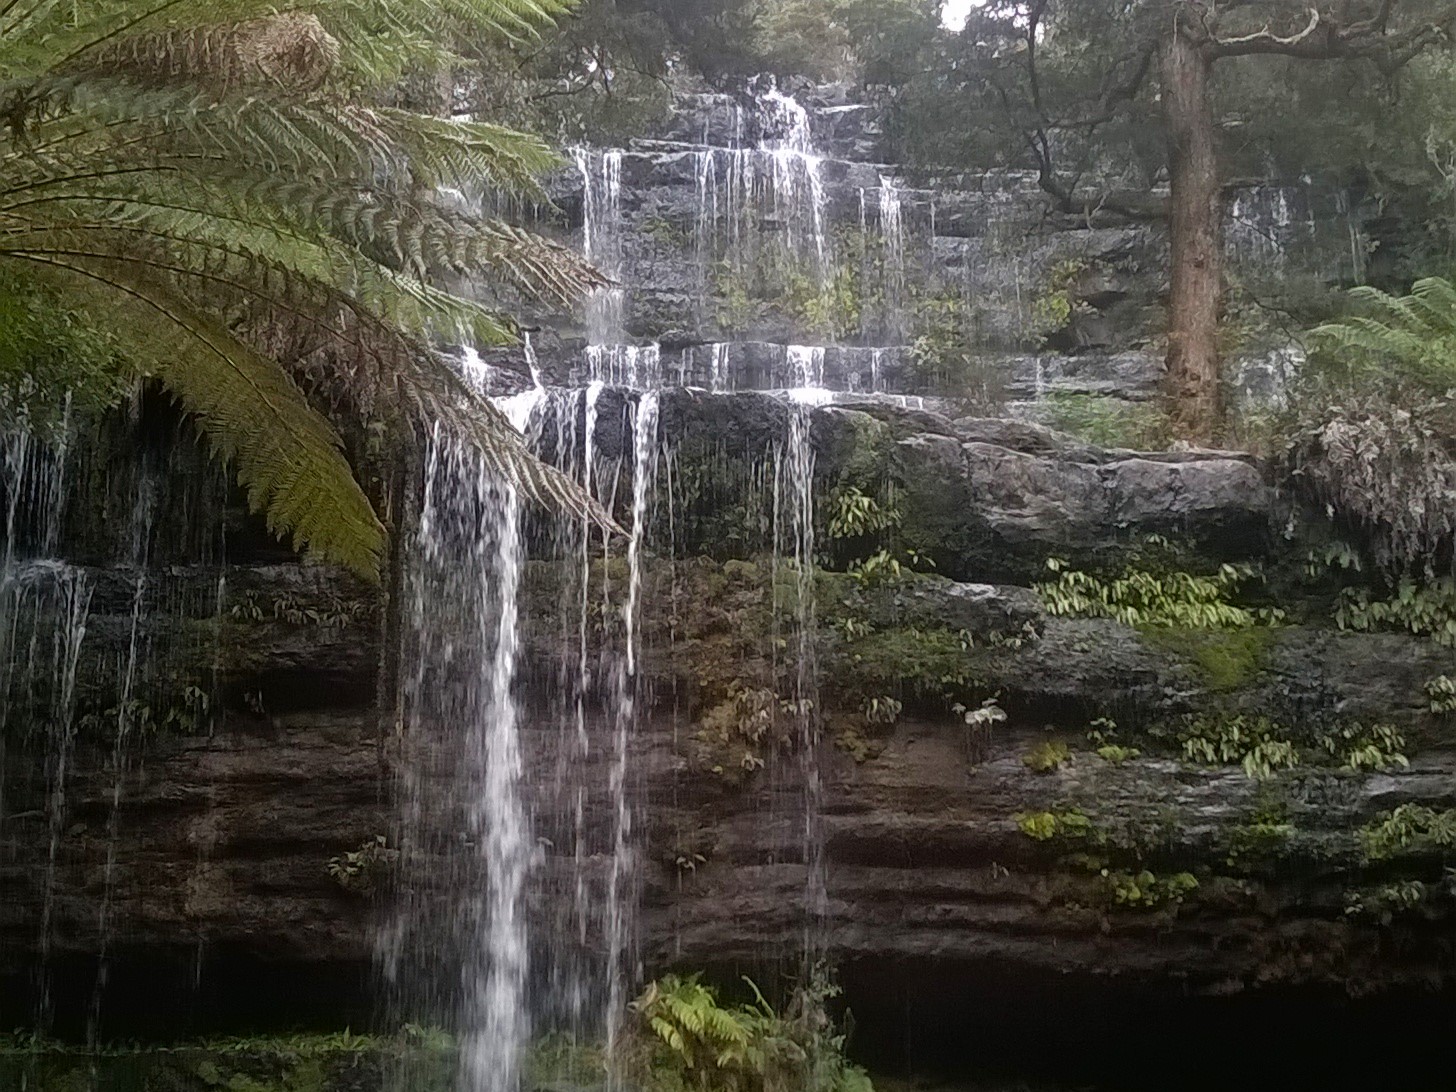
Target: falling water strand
141,529
492,1049
892,234
801,498
621,902
462,724
72,604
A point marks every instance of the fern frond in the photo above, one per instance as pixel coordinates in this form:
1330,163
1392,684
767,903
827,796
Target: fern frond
288,457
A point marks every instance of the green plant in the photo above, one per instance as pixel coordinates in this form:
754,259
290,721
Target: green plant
1258,744
1262,839
1146,890
1142,598
327,613
687,1039
1068,826
364,871
1382,458
881,711
1116,754
1106,421
1441,694
1046,756
213,186
1408,829
1365,747
854,514
1426,609
1057,303
1385,903
736,733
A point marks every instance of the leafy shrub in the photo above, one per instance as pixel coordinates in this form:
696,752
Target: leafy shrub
687,1040
1409,829
1441,693
1146,890
1142,598
1425,608
364,871
1383,904
1068,826
1374,430
1046,756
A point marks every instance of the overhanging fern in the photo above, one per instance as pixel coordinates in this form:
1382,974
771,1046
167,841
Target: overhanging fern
214,171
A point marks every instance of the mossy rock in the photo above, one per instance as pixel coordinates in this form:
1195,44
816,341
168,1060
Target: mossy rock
1223,659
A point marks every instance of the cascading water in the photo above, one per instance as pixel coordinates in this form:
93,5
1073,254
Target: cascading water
462,717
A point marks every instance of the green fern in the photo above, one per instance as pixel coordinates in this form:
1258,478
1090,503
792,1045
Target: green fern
1408,337
209,181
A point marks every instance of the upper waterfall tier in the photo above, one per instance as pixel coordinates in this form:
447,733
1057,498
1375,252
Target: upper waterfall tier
752,222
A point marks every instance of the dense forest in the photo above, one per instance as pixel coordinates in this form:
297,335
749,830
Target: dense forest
727,545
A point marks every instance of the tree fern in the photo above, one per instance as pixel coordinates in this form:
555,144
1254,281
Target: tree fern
1402,337
216,168
1376,441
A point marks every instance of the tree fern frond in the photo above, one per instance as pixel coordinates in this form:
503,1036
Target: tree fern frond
288,457
291,50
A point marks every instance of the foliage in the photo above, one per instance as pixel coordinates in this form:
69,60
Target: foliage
1067,826
1263,838
688,1040
1441,694
310,1062
52,362
1116,754
854,514
1408,830
1425,608
218,172
365,870
945,357
1257,744
1141,598
1058,302
1375,430
1383,904
828,307
1263,747
187,714
1398,337
1107,422
1358,746
1146,890
328,613
1385,462
1046,756
865,531
738,731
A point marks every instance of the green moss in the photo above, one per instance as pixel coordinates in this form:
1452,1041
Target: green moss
1225,660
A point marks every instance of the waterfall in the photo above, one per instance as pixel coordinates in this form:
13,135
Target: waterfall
496,1028
892,234
601,175
462,721
781,174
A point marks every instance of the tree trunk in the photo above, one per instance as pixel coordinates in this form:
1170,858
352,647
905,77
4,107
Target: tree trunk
1196,236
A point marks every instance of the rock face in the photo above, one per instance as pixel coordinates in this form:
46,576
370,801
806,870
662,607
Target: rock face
213,856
